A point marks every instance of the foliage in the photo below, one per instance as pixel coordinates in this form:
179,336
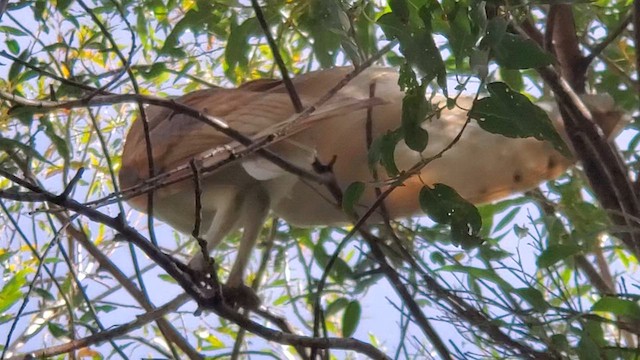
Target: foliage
554,276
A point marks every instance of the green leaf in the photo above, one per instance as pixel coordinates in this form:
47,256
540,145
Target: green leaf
407,77
516,52
365,33
320,254
560,342
617,306
400,9
383,151
167,278
105,308
57,330
340,270
534,297
171,44
63,5
10,292
351,196
12,31
60,144
443,205
495,31
6,255
13,46
479,62
591,341
512,50
322,21
513,78
489,253
351,318
337,305
506,219
461,37
416,43
10,145
437,258
16,68
39,9
555,253
478,273
238,47
415,107
511,114
44,294
154,71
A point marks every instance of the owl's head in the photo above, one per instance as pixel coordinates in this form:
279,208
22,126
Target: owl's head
610,118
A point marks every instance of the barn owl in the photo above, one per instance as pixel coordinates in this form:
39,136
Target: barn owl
482,167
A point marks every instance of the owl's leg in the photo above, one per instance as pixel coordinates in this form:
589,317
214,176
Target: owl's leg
225,220
255,208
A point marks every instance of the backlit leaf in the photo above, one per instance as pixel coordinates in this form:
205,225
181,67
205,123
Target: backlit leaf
511,114
617,306
415,107
555,253
443,205
534,297
351,318
11,292
351,196
11,145
478,273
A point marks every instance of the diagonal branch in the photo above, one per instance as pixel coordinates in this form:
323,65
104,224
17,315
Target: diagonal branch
110,334
291,89
205,298
105,263
636,34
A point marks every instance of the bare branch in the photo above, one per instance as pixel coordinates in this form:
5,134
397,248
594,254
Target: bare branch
112,333
566,46
166,328
275,51
611,37
636,35
206,298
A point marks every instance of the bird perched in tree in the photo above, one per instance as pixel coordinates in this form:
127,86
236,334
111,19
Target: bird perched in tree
481,166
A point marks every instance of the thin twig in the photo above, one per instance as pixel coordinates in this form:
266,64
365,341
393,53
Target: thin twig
85,297
202,296
275,51
602,163
358,226
255,285
41,265
611,37
636,36
408,299
113,332
216,123
126,62
198,216
105,263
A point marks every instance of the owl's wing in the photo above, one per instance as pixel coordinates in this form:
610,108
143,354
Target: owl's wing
256,109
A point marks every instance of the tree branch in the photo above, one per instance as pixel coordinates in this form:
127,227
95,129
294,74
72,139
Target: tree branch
206,298
275,51
112,333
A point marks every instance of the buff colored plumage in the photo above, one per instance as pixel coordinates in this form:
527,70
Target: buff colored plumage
482,167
